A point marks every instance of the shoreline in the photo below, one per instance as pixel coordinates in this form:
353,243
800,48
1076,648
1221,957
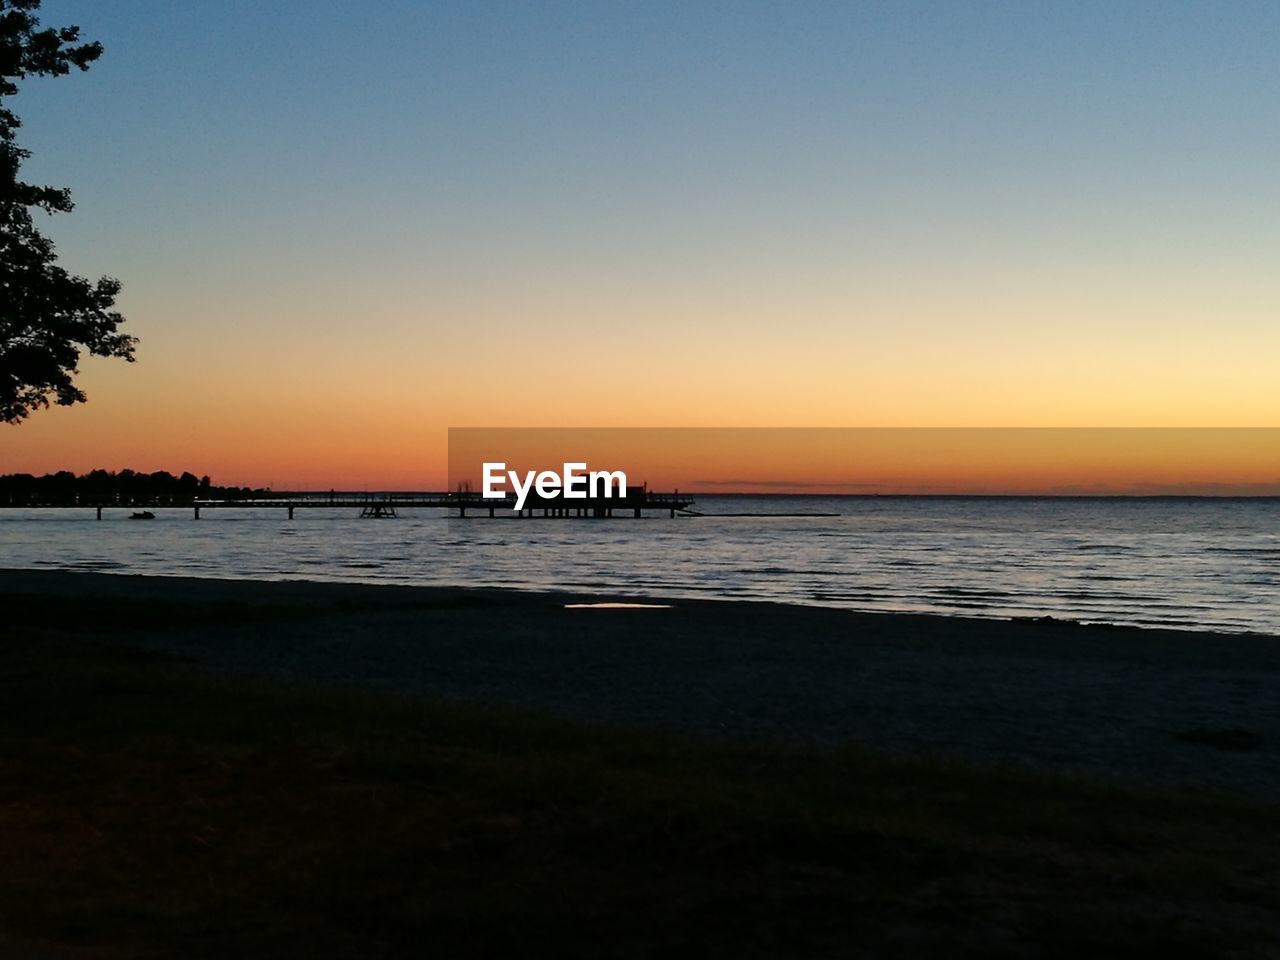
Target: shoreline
669,599
1153,706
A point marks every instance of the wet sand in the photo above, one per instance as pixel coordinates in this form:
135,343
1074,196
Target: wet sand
1151,706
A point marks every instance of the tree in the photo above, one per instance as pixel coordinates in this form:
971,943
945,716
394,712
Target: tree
47,316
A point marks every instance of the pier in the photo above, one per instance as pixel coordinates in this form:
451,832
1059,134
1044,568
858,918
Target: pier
636,502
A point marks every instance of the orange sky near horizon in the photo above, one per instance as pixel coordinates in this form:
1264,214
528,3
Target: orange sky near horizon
283,423
333,409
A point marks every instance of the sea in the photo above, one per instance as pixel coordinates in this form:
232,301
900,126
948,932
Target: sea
1209,564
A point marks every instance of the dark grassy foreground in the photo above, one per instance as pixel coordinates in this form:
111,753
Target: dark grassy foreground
147,809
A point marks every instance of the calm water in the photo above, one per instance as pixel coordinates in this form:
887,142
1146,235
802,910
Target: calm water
1200,564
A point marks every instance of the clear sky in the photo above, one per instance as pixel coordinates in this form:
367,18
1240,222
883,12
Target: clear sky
343,227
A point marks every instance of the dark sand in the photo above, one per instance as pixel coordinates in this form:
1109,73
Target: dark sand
1153,706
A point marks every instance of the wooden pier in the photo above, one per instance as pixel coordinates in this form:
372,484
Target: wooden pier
637,502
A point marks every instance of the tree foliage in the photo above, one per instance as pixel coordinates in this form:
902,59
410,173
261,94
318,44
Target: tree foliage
47,316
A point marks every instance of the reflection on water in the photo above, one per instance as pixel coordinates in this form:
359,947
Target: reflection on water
1201,564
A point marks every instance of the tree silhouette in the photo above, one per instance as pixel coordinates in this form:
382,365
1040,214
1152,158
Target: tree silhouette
47,316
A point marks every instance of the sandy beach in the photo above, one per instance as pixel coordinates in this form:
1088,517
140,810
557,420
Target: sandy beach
1149,706
206,768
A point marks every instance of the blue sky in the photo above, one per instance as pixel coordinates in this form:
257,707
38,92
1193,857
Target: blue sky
673,125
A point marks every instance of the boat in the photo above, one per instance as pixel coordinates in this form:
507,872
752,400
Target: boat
142,515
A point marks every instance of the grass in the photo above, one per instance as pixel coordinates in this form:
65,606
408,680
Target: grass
150,809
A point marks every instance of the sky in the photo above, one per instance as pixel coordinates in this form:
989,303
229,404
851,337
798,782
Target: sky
344,228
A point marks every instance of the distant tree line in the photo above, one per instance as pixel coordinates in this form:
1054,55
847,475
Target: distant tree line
123,488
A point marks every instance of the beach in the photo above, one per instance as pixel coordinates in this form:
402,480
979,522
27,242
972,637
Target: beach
1162,707
211,768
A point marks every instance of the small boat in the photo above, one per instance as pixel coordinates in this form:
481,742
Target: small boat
142,515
